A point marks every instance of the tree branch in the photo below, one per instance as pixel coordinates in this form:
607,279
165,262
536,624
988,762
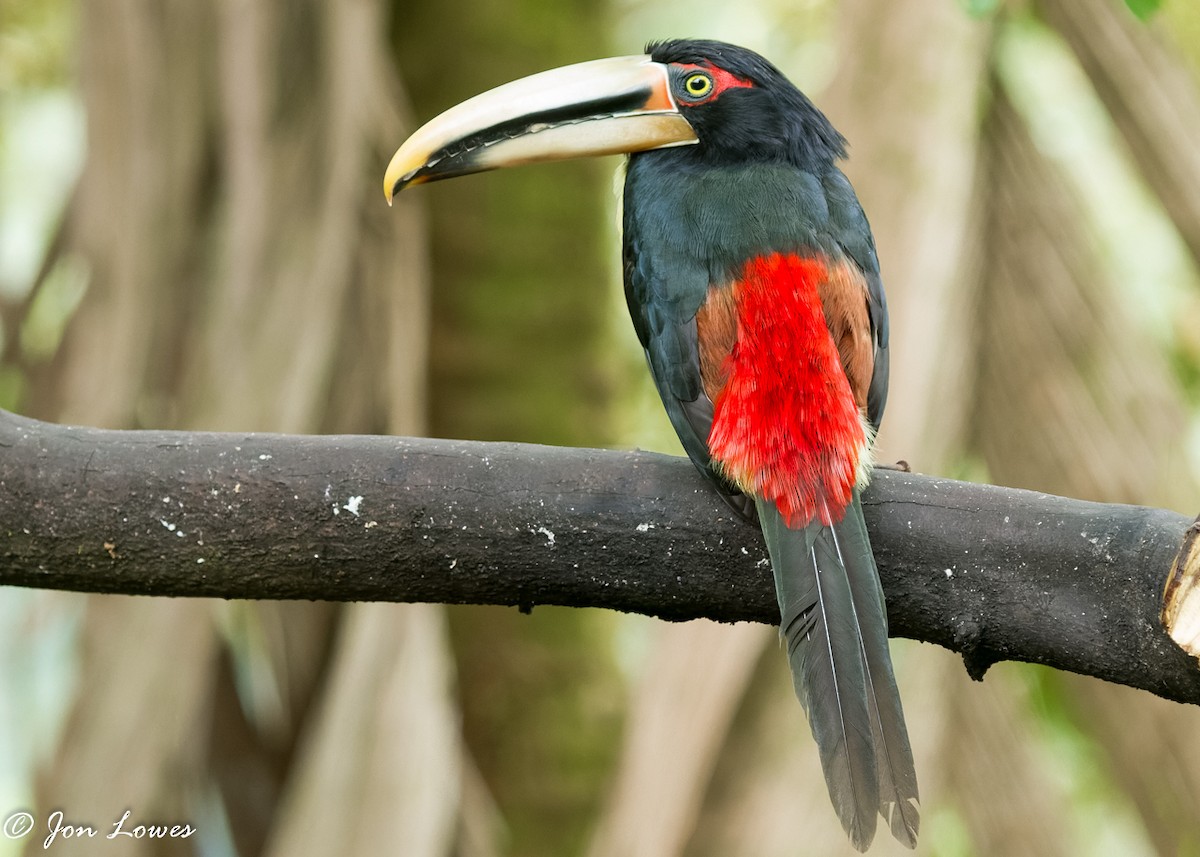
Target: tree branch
992,573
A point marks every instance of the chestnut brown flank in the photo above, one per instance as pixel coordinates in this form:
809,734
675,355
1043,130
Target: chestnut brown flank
716,332
844,300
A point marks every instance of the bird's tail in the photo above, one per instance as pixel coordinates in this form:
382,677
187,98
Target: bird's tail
833,621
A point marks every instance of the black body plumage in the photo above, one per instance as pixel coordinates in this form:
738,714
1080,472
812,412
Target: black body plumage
764,180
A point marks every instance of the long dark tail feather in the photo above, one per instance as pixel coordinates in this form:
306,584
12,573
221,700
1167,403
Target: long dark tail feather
817,621
899,802
832,618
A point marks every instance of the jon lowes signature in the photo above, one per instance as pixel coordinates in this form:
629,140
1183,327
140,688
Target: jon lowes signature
18,825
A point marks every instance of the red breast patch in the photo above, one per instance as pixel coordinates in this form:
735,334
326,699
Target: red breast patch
786,427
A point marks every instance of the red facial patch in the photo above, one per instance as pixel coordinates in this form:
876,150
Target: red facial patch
785,425
722,81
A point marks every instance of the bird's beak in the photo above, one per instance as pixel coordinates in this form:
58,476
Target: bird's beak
603,107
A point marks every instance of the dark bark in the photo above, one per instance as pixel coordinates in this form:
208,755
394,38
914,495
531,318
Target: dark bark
992,573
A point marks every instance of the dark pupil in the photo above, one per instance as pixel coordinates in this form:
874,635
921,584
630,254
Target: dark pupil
698,84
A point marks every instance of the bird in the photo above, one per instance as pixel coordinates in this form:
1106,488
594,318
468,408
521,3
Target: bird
753,282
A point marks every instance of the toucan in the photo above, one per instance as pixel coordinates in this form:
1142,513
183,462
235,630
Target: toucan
753,283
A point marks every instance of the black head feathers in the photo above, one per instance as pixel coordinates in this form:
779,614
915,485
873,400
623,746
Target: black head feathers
771,120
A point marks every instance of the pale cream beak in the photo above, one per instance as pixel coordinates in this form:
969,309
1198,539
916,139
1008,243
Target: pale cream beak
602,107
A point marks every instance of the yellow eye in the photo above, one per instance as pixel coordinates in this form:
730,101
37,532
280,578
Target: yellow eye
697,85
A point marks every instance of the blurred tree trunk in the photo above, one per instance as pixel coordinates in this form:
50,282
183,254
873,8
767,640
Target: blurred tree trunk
523,266
1080,395
1149,93
245,275
522,272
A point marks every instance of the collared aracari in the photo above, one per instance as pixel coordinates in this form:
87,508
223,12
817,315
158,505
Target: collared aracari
752,279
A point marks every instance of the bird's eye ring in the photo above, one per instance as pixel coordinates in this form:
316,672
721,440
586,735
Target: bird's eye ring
697,85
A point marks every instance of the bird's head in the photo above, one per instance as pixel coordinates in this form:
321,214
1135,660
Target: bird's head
725,103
